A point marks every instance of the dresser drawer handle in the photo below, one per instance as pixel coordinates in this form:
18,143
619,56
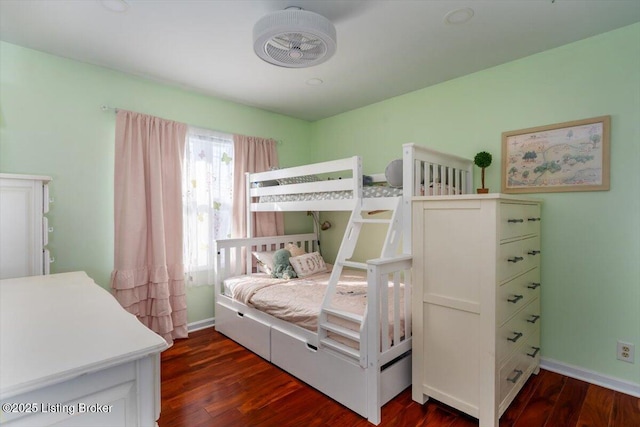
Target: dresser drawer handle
513,221
533,252
533,219
515,298
533,285
535,351
534,318
515,259
517,375
516,337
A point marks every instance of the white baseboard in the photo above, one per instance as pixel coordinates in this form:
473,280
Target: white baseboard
591,377
201,324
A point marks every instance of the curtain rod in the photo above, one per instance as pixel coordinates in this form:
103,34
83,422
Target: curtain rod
105,107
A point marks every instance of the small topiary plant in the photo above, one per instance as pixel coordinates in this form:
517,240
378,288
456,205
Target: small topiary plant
482,160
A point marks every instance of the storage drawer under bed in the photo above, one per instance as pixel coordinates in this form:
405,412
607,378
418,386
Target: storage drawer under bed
244,329
338,378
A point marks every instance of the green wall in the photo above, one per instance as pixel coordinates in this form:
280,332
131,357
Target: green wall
591,240
51,124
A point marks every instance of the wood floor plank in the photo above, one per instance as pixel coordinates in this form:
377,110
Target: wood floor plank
626,410
520,402
566,411
437,415
409,413
464,420
541,403
177,418
211,381
597,407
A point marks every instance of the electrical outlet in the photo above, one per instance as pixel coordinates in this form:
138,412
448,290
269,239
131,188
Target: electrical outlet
626,351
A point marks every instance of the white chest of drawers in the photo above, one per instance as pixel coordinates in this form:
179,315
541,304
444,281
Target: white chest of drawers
476,305
24,228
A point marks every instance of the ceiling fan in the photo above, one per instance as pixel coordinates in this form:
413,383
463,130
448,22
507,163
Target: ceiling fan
294,38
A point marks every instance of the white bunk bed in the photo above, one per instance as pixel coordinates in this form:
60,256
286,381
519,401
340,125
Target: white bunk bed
362,368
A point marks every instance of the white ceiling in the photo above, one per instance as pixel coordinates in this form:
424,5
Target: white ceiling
385,48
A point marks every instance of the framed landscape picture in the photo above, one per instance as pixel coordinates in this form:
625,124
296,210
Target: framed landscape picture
570,156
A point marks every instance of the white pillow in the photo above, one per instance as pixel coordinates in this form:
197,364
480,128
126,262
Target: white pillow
265,261
393,173
308,264
294,249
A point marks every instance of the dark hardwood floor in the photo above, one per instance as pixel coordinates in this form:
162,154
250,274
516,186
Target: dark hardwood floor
209,380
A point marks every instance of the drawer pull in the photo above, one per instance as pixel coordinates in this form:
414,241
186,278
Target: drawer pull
515,298
311,348
513,221
516,337
239,314
533,252
535,351
516,376
534,318
533,285
533,219
515,259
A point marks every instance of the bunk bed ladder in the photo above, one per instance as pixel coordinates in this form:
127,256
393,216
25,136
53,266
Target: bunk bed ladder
327,326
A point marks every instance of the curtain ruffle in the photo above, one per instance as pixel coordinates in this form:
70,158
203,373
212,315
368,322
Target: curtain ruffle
155,295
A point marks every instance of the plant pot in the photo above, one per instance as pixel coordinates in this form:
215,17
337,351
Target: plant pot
482,190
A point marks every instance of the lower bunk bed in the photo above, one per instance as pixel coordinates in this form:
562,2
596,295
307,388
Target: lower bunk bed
372,363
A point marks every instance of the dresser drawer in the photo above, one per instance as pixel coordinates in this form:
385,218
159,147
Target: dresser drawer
520,328
531,216
518,220
517,369
517,257
510,260
517,293
530,252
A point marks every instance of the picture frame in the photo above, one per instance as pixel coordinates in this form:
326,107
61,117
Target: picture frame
569,156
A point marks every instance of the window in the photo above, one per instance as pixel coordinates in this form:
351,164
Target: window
207,193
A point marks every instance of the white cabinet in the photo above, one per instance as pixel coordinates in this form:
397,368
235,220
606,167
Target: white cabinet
24,200
476,300
70,355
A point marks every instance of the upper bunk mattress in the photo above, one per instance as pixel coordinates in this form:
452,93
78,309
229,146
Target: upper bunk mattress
367,192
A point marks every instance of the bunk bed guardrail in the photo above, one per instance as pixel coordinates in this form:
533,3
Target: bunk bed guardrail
324,177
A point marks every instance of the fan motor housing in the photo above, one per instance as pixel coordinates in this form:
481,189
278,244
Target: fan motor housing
294,38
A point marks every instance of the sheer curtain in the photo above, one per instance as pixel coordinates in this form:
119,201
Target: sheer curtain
208,192
253,154
148,275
